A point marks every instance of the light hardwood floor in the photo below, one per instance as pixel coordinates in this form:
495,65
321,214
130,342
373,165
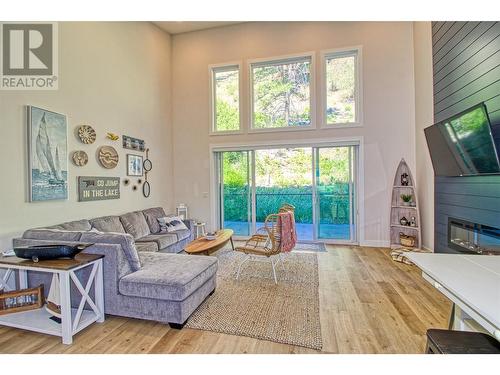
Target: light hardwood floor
369,304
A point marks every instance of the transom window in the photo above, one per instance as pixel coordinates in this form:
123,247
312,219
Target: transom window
226,98
341,87
281,93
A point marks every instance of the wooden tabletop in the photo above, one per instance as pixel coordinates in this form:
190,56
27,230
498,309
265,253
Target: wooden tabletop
202,245
55,264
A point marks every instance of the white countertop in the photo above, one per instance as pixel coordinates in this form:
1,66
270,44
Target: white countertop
474,279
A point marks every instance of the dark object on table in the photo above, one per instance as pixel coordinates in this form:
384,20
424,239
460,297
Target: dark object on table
442,341
46,252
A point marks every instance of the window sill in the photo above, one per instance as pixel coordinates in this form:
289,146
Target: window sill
342,125
226,132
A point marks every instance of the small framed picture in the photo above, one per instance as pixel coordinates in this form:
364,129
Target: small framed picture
134,165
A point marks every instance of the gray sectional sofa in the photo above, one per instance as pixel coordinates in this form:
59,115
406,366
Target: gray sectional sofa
144,277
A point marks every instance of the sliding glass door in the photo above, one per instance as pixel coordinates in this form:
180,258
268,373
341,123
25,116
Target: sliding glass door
335,203
319,181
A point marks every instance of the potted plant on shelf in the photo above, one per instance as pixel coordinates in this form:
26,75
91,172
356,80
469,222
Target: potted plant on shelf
406,198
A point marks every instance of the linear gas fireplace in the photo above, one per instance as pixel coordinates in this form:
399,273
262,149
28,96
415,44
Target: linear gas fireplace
472,238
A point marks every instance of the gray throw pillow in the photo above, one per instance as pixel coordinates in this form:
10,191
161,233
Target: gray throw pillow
135,224
152,215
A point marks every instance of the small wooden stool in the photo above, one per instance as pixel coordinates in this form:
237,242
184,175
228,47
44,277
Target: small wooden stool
442,341
199,230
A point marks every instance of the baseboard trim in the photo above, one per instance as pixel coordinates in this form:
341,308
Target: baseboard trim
374,243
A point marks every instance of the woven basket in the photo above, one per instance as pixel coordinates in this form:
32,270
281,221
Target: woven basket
407,240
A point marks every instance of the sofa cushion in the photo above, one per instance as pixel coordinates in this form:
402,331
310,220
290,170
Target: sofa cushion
181,234
146,246
135,224
107,224
152,215
171,277
124,239
81,225
52,234
163,240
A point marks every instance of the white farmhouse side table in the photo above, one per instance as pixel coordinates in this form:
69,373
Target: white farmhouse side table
470,282
73,320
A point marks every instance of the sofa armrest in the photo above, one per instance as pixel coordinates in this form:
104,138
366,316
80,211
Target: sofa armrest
189,223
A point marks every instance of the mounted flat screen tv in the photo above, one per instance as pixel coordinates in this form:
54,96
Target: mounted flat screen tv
463,145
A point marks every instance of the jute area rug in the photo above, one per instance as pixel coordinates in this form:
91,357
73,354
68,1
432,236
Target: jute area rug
254,306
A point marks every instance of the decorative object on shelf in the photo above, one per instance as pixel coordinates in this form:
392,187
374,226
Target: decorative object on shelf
108,156
47,252
126,181
182,211
147,165
404,203
405,179
21,300
407,240
80,158
98,188
53,305
403,221
133,143
87,134
134,165
413,222
406,198
47,155
112,136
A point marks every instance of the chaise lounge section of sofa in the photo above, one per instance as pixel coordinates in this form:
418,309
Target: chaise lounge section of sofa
144,277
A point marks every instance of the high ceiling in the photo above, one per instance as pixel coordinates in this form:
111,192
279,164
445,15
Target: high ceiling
177,27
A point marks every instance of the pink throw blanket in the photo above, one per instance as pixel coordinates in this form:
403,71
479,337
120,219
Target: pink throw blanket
288,232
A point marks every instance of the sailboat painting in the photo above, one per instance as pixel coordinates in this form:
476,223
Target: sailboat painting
48,155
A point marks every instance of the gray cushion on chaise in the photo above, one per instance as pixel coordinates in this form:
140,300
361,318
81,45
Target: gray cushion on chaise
163,240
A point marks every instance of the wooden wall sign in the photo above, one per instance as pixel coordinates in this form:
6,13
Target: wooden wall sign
133,143
98,188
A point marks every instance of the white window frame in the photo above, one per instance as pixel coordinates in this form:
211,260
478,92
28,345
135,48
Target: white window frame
212,69
358,91
312,88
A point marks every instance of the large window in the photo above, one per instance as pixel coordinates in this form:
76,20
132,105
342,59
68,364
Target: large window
281,93
341,99
225,98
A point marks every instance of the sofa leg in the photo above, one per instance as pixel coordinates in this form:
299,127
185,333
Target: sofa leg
212,292
177,325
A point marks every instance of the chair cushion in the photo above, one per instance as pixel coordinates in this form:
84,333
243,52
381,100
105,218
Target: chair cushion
163,240
124,239
135,224
107,224
146,246
170,277
152,215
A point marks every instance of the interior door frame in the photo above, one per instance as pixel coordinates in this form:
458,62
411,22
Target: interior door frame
312,142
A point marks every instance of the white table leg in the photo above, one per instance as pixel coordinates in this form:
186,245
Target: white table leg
64,289
99,291
23,279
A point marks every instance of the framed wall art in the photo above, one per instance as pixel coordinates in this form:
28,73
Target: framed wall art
47,155
134,165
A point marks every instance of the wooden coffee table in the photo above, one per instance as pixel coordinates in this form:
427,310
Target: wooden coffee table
202,246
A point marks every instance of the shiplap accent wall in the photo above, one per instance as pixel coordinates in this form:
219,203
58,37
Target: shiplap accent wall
466,64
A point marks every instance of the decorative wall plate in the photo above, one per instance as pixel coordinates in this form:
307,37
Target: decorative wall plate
108,157
80,158
87,134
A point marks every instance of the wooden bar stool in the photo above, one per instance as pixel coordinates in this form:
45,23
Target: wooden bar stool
442,341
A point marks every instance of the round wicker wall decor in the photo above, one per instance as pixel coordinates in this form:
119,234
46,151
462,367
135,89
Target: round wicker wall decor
87,134
108,157
80,158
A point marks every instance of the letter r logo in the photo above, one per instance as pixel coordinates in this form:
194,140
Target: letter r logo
27,49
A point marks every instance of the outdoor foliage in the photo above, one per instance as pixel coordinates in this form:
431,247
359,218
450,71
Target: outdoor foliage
340,86
281,95
227,114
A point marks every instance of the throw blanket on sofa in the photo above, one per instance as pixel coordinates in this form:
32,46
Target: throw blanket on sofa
286,221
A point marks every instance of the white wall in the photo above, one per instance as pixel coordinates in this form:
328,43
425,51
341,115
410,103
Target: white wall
114,76
424,117
388,96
